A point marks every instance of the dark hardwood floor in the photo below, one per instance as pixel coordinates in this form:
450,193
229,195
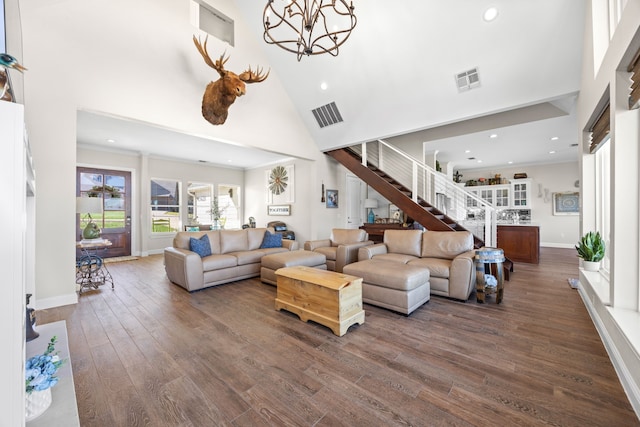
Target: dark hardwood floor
149,353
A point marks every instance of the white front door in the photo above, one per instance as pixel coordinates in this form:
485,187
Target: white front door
354,201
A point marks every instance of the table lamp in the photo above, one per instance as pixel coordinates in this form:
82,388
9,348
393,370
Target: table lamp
87,205
371,204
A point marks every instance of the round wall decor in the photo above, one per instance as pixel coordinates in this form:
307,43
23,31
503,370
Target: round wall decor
278,180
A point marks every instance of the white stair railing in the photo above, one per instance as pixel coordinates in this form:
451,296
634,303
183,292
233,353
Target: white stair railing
472,212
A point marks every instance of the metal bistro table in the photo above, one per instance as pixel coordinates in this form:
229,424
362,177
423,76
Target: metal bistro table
489,256
91,271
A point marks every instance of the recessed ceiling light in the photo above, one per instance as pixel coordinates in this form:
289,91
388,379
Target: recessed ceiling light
509,162
323,86
111,140
554,138
467,151
493,135
479,161
552,152
490,14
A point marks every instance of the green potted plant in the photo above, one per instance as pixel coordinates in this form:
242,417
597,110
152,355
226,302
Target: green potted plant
591,249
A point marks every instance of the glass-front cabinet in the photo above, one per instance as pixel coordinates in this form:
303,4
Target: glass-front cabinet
487,194
497,195
521,193
516,195
471,202
502,197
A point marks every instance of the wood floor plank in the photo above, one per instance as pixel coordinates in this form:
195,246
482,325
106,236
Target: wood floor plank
150,353
193,406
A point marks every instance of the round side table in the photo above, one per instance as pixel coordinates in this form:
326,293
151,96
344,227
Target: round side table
489,256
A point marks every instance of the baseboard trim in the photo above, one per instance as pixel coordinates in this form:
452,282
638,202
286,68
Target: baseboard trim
557,245
44,303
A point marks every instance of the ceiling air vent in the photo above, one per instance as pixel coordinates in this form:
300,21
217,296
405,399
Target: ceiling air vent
212,21
468,80
327,115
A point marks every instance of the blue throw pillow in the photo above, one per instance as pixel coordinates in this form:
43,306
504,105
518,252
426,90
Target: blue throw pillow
271,240
201,246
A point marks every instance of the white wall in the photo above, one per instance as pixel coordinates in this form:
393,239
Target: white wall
309,219
134,60
555,230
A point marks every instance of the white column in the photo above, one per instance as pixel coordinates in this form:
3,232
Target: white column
144,219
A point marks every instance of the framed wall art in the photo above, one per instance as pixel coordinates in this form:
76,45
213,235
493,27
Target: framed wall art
280,184
566,203
395,214
332,198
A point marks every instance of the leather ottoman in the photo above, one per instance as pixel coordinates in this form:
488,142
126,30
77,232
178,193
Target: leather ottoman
270,263
388,284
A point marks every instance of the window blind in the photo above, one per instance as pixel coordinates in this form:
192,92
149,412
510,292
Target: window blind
600,129
634,69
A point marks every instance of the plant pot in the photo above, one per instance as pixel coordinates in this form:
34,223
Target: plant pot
36,403
591,265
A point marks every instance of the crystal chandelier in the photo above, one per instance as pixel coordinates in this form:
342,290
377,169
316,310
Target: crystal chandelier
308,27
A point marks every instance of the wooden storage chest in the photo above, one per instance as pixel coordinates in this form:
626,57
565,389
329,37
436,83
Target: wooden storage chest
326,297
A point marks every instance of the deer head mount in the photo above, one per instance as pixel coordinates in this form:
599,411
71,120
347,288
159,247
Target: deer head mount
219,95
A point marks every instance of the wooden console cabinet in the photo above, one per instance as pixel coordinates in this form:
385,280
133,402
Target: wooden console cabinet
376,231
521,243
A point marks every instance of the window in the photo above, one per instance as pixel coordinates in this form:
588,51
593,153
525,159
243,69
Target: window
603,200
229,206
199,203
615,13
165,205
111,188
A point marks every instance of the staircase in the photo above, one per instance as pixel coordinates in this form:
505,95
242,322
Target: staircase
410,202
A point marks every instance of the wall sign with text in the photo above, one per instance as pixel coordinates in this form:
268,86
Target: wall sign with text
276,210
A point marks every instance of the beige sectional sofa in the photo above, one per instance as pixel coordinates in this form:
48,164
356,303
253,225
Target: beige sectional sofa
448,255
235,255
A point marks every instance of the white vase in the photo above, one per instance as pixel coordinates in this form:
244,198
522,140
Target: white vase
36,403
591,265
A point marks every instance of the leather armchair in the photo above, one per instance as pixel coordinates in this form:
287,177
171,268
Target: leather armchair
341,248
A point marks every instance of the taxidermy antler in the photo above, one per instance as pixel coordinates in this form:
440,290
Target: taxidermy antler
219,95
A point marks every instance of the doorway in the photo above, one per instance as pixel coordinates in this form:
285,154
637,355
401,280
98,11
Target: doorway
113,188
354,202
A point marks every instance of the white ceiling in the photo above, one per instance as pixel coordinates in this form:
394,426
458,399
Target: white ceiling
394,79
118,134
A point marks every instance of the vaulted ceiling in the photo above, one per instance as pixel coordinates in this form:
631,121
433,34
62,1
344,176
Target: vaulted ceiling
395,78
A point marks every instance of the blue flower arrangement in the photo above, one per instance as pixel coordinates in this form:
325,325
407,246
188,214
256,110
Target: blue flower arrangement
40,370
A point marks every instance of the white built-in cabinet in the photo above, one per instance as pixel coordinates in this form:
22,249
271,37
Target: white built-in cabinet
16,256
521,193
515,195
